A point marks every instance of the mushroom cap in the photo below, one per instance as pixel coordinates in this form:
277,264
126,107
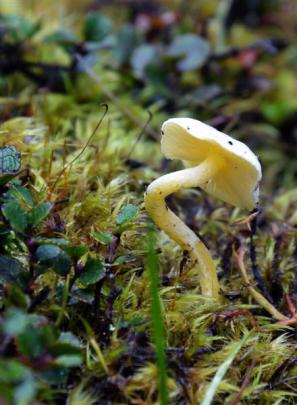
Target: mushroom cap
236,181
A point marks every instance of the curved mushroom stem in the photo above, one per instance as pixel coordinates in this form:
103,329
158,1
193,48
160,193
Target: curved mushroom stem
166,220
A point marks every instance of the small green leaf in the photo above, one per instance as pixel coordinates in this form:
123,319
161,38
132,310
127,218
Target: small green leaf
52,241
142,57
30,342
62,264
70,339
69,360
85,295
126,214
20,193
10,269
15,321
15,293
94,271
192,49
39,212
18,27
55,375
127,39
24,393
47,252
12,371
103,237
76,251
35,340
65,39
96,27
4,179
16,215
54,257
123,259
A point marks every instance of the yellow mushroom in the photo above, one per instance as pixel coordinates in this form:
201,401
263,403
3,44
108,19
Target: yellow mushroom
215,162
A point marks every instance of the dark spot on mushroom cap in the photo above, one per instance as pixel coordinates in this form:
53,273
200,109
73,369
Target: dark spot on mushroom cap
230,142
188,128
162,132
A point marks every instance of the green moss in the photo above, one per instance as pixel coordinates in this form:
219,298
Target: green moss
69,337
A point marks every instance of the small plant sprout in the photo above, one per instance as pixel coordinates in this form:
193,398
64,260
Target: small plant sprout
219,165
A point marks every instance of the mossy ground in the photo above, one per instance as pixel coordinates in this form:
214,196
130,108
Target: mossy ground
75,300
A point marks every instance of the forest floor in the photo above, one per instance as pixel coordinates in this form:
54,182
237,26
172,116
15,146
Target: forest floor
97,305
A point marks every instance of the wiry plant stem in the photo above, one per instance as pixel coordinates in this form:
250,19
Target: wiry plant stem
255,294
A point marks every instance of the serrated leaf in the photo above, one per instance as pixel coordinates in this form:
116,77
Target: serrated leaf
39,212
16,215
94,271
20,193
126,214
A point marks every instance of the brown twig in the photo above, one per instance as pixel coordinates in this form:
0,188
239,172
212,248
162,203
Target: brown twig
292,308
239,255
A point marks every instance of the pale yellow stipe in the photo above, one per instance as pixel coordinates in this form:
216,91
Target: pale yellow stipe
156,207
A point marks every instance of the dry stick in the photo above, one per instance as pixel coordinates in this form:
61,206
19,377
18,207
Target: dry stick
255,294
115,100
140,134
